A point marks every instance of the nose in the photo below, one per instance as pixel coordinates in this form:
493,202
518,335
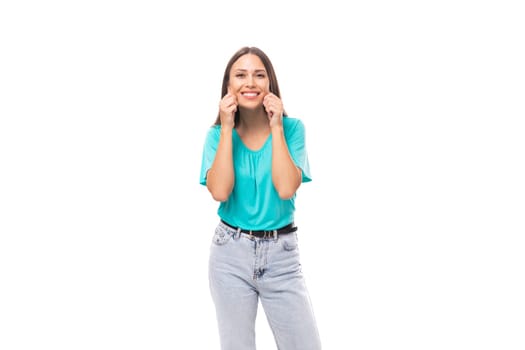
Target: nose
250,81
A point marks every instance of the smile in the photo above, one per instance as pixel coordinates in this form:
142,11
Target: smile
250,94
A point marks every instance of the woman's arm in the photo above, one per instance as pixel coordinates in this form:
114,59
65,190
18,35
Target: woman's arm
220,178
286,176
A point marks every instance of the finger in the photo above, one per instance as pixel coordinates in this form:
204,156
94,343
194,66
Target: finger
267,102
229,100
271,99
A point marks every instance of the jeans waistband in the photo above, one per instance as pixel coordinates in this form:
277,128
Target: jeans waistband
265,233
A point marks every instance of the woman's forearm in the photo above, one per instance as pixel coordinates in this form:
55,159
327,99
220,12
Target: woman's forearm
220,177
286,176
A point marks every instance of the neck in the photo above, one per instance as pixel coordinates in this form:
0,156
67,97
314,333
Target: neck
253,119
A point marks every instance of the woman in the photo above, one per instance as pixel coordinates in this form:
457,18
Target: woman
254,160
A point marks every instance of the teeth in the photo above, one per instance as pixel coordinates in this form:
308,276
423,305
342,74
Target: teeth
250,94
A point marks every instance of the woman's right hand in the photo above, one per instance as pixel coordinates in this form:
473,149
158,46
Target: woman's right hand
227,109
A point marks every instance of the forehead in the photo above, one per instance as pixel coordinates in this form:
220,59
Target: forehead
248,62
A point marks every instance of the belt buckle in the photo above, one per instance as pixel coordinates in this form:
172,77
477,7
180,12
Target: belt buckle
270,233
267,234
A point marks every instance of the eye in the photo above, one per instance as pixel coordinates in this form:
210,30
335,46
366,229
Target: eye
261,75
239,75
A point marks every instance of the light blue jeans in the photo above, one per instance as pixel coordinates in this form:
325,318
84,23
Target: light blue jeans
244,268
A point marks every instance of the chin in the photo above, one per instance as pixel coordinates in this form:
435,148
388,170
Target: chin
251,106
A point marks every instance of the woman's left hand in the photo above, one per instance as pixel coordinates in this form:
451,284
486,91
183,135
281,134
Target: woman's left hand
274,108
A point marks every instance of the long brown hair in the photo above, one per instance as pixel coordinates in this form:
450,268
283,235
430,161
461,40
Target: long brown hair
274,86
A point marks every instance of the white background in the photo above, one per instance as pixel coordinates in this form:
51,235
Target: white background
411,232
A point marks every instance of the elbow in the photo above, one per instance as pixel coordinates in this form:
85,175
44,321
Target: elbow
286,193
286,189
220,196
219,192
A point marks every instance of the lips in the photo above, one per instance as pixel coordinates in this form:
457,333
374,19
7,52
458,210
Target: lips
250,94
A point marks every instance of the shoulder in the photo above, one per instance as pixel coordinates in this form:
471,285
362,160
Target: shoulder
293,125
213,134
292,122
214,131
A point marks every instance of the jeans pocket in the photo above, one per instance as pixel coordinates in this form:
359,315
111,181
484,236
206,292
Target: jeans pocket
289,241
221,236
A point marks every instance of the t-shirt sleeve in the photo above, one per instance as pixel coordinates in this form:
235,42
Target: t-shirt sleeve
296,140
208,154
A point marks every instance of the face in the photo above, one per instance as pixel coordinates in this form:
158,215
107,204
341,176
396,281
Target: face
249,81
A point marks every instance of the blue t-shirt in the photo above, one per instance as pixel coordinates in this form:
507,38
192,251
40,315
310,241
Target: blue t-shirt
254,203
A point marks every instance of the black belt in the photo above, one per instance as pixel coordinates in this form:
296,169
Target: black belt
266,233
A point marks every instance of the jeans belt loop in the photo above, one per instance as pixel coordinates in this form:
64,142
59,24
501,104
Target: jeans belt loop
237,234
275,235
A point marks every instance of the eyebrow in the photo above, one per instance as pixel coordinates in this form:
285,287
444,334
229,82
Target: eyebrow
255,70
